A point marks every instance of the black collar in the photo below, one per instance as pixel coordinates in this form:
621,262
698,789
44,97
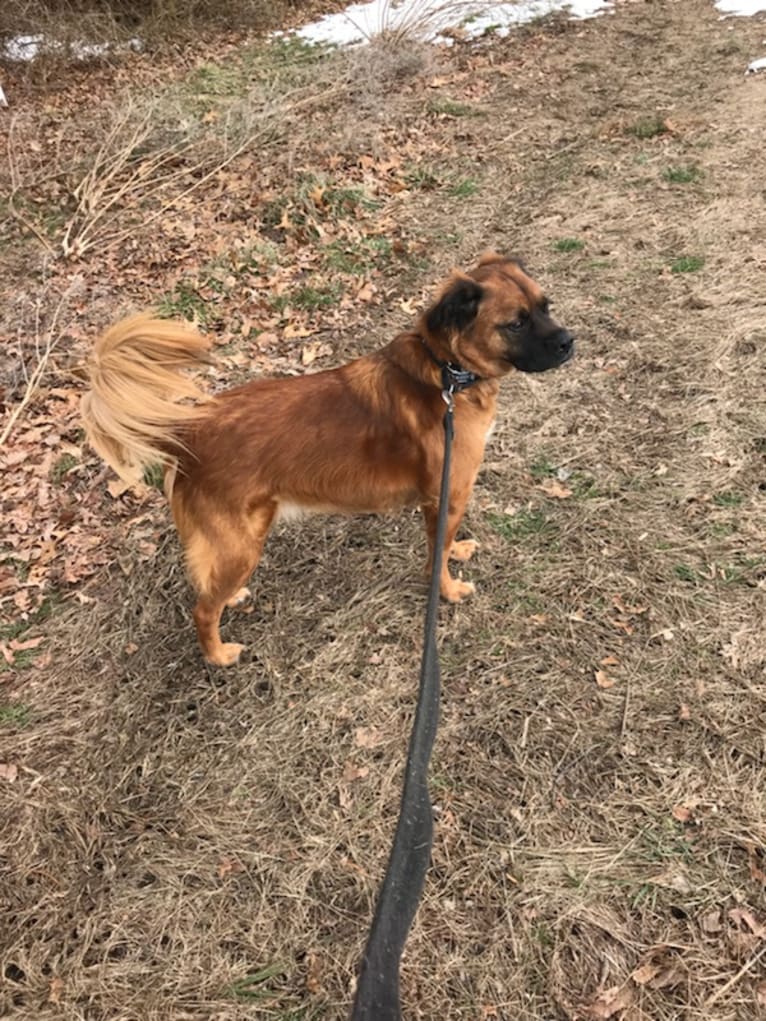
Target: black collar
454,377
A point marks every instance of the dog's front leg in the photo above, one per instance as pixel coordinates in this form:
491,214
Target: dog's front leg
452,589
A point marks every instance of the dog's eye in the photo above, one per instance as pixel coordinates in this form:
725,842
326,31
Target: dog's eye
515,325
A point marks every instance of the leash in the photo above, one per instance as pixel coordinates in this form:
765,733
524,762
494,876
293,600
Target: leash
377,993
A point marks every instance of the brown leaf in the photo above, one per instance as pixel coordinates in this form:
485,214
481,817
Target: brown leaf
8,771
313,973
6,653
712,922
684,713
367,737
760,994
554,489
754,861
353,772
131,648
292,332
603,680
609,661
682,813
230,867
747,920
55,990
646,972
30,643
629,611
610,1002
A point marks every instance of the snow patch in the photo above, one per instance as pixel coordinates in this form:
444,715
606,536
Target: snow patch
429,20
743,8
23,48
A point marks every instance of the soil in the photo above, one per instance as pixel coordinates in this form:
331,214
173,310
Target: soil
180,842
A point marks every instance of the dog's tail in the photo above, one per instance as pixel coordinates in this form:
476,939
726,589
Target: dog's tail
131,414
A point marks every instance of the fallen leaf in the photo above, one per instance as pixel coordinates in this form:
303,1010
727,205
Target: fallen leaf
6,653
603,680
8,771
367,737
55,990
131,648
646,972
230,867
353,772
760,994
747,920
609,661
684,712
554,489
682,813
30,643
622,625
753,860
313,972
610,1002
630,611
712,922
293,332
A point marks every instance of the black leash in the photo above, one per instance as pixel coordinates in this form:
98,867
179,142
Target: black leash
377,993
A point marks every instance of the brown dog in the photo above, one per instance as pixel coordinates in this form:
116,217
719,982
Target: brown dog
363,437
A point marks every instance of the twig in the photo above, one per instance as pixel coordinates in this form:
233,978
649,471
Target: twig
735,978
39,370
14,189
307,101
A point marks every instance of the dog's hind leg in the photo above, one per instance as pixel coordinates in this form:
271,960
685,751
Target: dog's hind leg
219,563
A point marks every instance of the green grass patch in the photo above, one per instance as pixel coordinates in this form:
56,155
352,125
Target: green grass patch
685,573
183,302
648,127
14,715
423,177
687,264
464,189
568,245
357,257
682,175
451,109
154,477
308,298
62,467
254,987
542,468
18,628
728,498
522,525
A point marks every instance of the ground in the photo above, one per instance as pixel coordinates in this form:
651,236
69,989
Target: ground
190,843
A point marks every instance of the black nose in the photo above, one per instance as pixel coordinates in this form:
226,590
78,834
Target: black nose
565,342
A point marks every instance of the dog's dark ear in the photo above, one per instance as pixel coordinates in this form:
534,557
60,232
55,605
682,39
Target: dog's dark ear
457,307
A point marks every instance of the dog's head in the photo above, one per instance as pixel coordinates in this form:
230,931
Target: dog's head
496,318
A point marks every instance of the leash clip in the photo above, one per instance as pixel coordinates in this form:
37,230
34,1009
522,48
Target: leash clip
448,396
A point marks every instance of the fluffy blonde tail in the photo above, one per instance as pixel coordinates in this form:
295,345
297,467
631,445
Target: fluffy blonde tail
131,415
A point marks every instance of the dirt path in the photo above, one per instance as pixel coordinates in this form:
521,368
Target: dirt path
599,774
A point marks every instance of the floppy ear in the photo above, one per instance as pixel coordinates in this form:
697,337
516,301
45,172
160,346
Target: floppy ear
457,307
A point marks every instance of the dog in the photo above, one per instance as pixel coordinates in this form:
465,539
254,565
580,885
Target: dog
364,437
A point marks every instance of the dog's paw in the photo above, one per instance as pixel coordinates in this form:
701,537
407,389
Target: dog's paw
226,655
239,597
463,550
456,591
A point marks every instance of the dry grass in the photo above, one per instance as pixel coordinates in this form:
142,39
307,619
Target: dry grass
599,849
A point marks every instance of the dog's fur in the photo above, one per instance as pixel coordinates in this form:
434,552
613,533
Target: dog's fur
363,437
